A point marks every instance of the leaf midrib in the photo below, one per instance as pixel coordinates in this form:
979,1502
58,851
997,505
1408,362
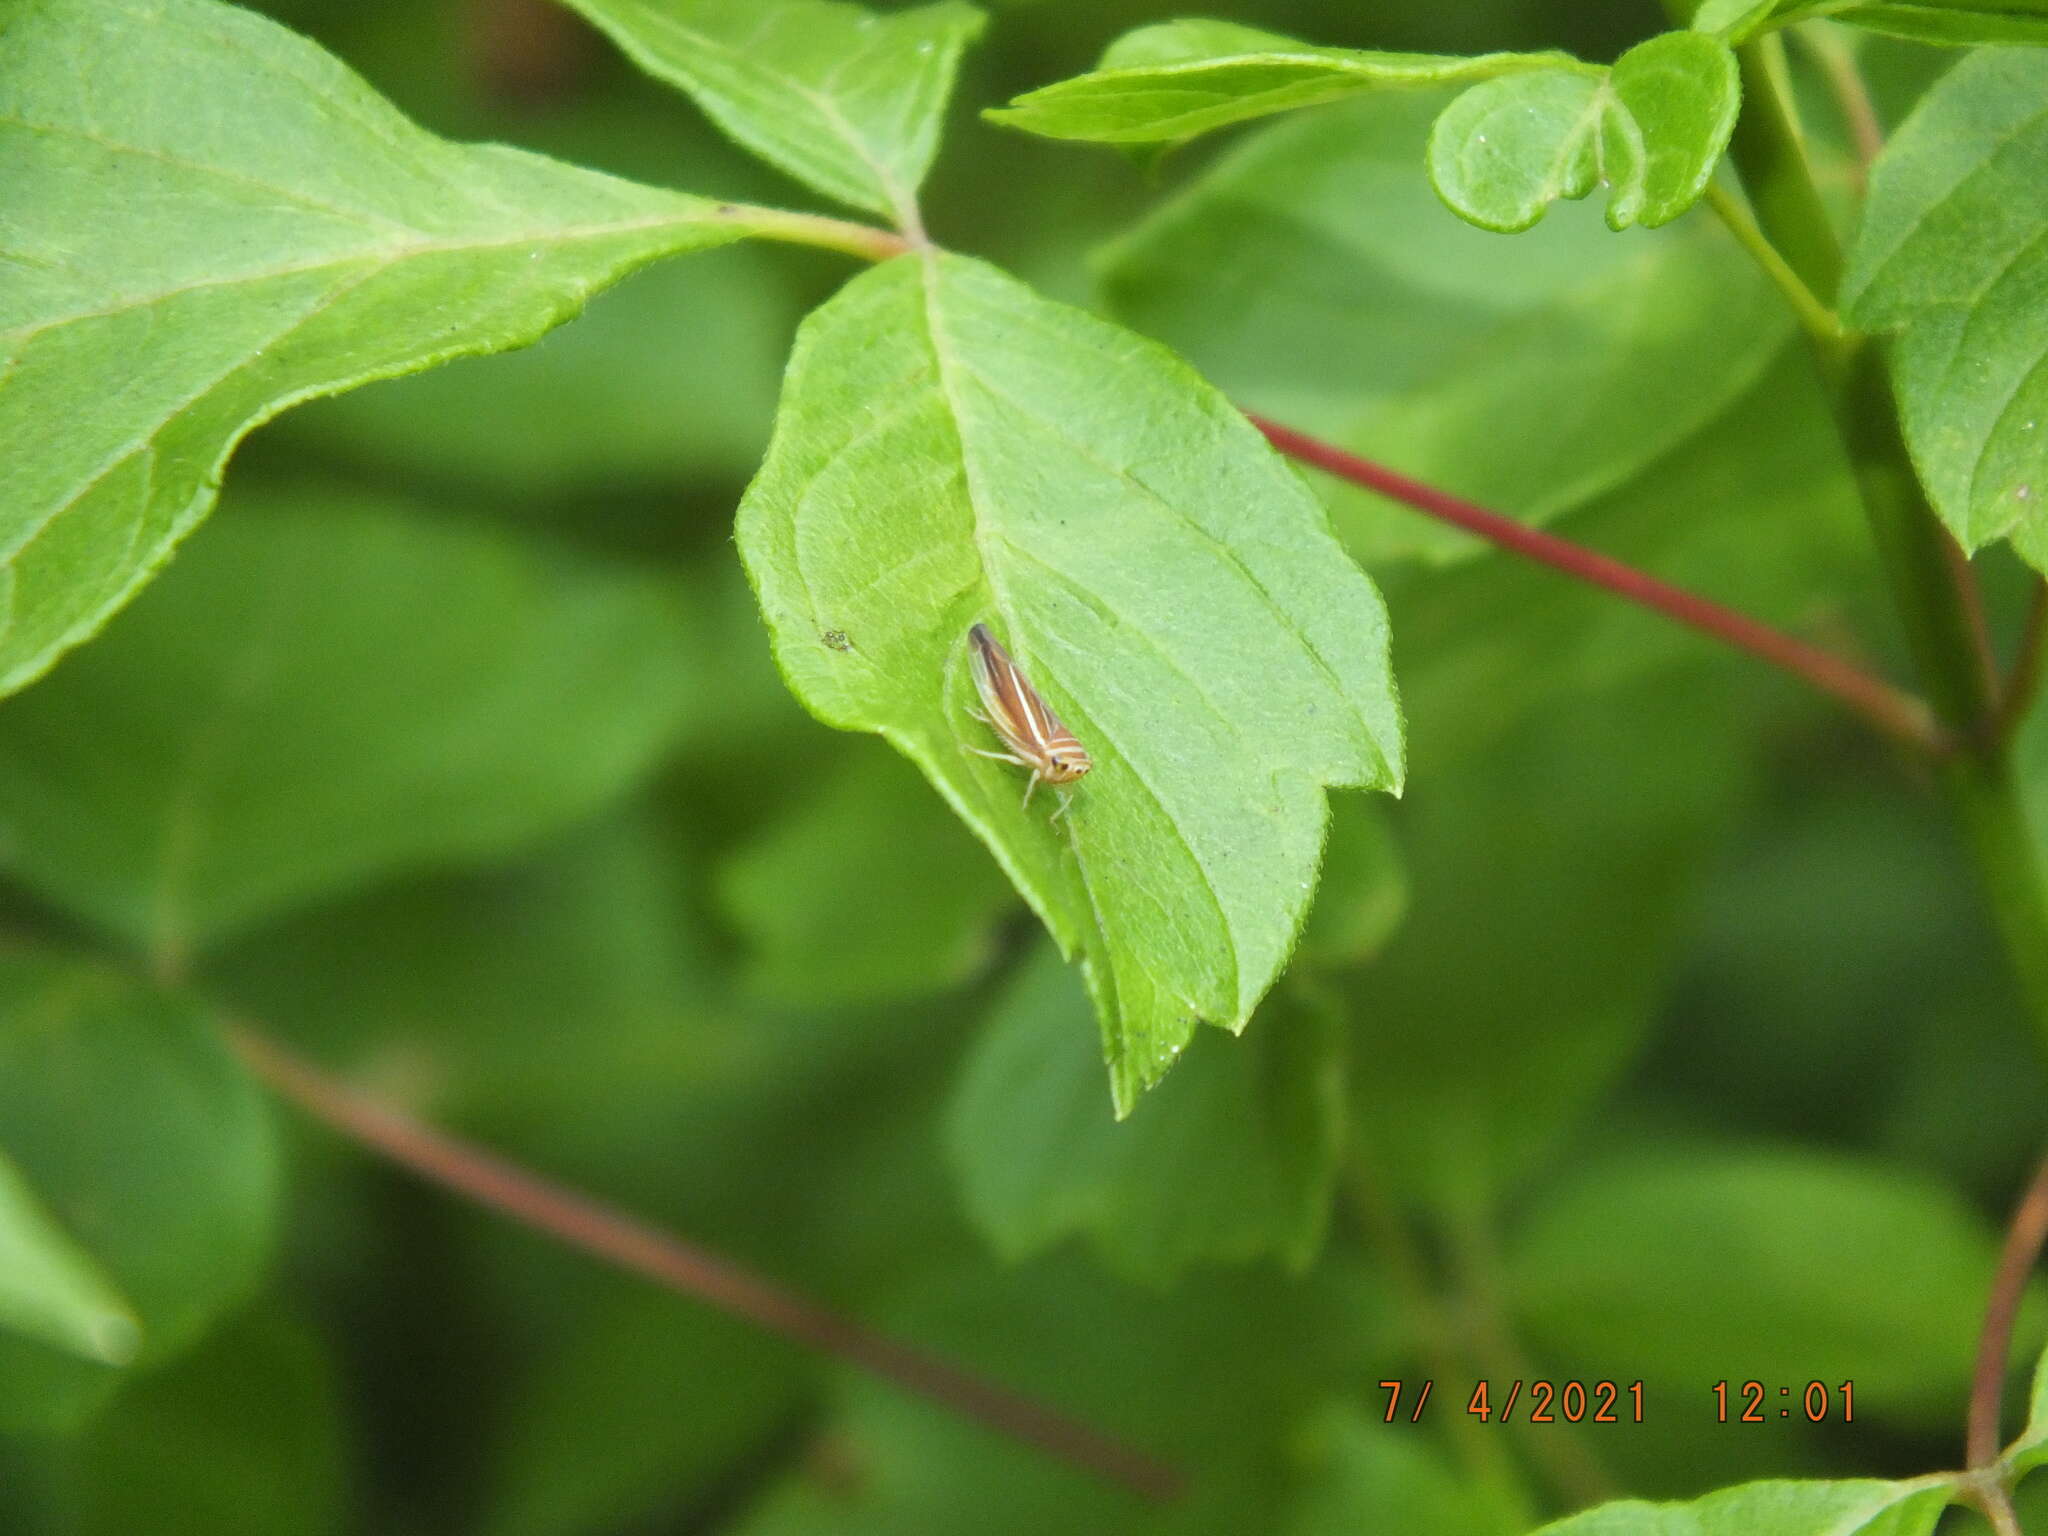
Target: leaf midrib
1439,69
947,365
384,256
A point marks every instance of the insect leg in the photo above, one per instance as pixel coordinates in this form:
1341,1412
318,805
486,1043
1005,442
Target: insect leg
1001,757
1028,788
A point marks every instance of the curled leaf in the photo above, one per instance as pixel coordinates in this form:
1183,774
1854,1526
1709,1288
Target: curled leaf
1651,129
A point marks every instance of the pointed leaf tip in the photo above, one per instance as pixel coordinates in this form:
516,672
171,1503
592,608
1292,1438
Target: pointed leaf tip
847,100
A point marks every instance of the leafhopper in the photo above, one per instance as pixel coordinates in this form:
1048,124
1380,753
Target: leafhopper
1011,708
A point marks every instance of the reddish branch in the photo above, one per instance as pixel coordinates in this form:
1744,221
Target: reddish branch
2023,1240
1891,710
619,1239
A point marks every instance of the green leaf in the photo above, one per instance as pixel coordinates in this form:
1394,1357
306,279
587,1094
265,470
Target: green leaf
1169,83
1233,1157
863,893
478,969
242,1437
1651,130
1359,1475
325,691
2031,1448
1734,21
565,1007
1538,953
1168,584
1949,257
1801,1267
209,220
1313,276
1214,1379
1535,947
1956,23
602,1438
1757,508
1858,1507
150,1146
673,375
844,100
50,1288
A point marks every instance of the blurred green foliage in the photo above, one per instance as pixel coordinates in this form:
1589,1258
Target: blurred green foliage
1660,1012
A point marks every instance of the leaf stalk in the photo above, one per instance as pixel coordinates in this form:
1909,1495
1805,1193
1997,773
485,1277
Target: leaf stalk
1820,321
866,241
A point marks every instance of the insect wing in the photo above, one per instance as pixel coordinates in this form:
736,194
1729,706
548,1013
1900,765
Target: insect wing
1014,708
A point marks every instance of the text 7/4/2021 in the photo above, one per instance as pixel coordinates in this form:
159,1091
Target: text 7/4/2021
1538,1402
1610,1402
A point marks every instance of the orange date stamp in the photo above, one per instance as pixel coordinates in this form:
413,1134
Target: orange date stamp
1540,1401
1544,1401
1754,1402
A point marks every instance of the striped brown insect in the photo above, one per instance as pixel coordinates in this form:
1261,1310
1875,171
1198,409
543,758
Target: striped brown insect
1011,708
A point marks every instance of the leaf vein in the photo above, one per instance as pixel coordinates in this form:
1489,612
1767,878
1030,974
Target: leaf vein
1216,546
360,217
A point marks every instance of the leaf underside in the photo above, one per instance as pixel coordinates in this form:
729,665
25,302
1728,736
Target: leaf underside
953,449
1950,257
208,220
845,100
1956,23
1852,1507
1651,130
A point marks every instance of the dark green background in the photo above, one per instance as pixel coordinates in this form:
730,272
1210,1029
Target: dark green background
1693,1050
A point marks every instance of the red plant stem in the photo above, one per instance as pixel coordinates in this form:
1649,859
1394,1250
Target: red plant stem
2023,1240
693,1271
1892,710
